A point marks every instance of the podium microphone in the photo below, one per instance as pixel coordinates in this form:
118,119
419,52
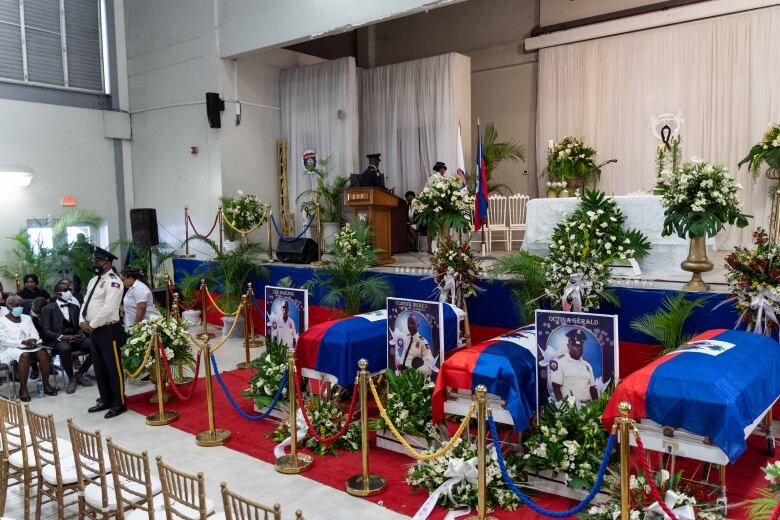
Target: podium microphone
606,163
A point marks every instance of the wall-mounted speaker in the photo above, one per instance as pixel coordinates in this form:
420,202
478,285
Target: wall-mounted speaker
214,108
143,225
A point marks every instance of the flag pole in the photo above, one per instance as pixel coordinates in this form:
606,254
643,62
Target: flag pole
482,250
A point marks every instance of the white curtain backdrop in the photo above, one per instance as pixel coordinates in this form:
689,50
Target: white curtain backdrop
408,114
722,73
319,112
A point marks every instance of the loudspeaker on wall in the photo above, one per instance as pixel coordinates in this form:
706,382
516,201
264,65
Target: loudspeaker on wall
214,108
143,225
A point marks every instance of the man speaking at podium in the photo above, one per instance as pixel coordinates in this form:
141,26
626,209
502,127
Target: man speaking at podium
372,177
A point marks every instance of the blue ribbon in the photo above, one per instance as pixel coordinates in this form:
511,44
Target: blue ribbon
238,409
527,501
291,239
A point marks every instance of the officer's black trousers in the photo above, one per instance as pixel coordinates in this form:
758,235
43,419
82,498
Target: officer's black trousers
107,342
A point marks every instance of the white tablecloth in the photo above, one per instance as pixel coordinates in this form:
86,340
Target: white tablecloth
643,212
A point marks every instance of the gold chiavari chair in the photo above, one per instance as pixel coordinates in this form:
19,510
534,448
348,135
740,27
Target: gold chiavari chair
96,497
184,494
17,456
137,491
57,479
240,508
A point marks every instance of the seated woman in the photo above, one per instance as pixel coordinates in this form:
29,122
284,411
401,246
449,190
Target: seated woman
19,343
138,301
30,291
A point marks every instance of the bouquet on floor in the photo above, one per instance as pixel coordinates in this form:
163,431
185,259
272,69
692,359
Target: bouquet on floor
568,440
767,150
754,280
431,474
455,270
583,247
327,416
269,368
686,499
700,199
571,159
761,508
408,404
443,204
242,214
174,336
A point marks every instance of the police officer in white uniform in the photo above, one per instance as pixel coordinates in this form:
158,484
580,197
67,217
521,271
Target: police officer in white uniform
99,318
283,329
416,351
573,375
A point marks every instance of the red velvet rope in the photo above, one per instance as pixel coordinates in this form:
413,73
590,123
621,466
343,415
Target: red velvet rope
775,512
214,225
643,462
183,307
347,421
194,381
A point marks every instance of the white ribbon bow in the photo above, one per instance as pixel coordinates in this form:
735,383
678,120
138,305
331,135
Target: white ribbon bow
762,304
457,471
303,429
577,284
685,512
448,288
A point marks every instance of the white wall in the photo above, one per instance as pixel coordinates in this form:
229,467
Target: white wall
248,25
69,155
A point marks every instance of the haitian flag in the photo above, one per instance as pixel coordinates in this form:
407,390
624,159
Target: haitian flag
481,199
335,347
715,386
506,365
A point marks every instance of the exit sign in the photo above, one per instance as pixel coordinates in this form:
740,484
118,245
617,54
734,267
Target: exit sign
68,200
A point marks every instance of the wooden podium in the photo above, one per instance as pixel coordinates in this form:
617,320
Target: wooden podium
374,205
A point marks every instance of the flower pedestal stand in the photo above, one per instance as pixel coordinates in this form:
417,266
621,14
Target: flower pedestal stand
697,263
555,484
385,439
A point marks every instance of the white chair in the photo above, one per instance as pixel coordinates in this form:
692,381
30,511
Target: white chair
497,225
517,217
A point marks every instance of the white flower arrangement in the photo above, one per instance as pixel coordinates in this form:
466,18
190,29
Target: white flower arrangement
409,404
767,150
348,243
270,368
443,203
172,333
243,213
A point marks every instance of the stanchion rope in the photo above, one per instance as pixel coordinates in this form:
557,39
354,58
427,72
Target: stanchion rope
213,226
645,464
414,453
174,387
347,420
291,239
183,307
235,405
530,503
224,339
143,363
241,231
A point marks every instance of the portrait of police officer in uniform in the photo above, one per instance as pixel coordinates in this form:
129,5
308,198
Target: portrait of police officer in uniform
283,328
99,318
571,374
414,351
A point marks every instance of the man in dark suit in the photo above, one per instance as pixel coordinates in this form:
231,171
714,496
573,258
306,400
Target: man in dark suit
372,177
60,331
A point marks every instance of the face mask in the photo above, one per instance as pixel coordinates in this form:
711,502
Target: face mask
16,312
65,295
98,270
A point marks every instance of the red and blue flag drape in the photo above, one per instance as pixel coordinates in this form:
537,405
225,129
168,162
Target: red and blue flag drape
481,193
720,383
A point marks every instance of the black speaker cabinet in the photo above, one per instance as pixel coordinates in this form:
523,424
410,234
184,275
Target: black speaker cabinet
214,108
302,251
143,224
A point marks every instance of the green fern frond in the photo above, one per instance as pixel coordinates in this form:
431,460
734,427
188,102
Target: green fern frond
666,324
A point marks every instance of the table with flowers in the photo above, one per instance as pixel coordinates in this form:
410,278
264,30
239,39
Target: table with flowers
643,212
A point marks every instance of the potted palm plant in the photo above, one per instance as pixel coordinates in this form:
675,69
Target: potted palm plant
227,273
496,152
342,277
329,196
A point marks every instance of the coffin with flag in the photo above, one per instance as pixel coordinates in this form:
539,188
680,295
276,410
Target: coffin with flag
506,365
335,347
718,386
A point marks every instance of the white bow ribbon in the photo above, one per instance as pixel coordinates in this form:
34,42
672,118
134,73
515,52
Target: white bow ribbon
577,284
762,304
303,429
457,471
685,512
448,288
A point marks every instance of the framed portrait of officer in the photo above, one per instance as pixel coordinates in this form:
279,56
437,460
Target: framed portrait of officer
415,336
287,314
577,356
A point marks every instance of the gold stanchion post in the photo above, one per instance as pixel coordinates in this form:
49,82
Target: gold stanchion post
213,436
294,462
167,293
247,318
221,219
364,484
161,416
480,393
318,231
175,308
625,451
204,307
18,285
187,253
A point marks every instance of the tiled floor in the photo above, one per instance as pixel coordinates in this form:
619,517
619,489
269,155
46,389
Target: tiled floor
245,475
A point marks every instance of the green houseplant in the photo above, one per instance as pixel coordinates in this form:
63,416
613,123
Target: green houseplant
665,325
496,152
526,277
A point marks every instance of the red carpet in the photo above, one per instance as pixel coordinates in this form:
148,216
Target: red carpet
253,439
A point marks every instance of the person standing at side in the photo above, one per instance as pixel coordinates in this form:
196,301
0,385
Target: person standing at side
138,301
100,319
